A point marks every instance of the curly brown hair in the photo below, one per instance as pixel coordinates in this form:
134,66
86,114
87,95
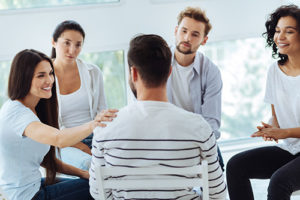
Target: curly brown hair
271,23
196,14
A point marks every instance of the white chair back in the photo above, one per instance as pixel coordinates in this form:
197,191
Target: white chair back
2,197
296,193
201,180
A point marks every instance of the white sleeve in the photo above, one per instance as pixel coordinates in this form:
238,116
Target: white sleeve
269,96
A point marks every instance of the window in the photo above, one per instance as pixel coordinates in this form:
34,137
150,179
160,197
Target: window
111,64
22,4
243,64
4,71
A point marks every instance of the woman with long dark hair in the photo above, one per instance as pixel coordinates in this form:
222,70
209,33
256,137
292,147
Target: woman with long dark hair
281,163
29,131
79,89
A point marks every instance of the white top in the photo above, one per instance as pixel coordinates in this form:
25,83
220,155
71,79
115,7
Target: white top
75,109
20,156
92,82
152,133
181,78
283,92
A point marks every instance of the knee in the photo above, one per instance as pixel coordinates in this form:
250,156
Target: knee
234,164
279,183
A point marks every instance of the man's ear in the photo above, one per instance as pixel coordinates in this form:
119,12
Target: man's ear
176,29
204,41
133,73
53,43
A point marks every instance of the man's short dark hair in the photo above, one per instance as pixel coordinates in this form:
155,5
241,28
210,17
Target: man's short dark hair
151,56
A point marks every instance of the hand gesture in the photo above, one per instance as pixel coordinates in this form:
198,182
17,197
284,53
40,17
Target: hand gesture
268,132
104,116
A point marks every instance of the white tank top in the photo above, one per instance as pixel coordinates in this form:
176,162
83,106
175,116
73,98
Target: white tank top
75,109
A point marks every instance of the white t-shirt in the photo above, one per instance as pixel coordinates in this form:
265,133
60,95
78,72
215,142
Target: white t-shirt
283,92
181,78
20,156
152,133
75,108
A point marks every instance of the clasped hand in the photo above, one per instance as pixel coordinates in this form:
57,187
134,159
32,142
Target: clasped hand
268,132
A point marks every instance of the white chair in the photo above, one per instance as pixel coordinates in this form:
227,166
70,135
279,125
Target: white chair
296,193
2,197
201,180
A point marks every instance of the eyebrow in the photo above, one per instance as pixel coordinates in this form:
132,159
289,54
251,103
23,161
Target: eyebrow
71,40
292,27
38,73
192,31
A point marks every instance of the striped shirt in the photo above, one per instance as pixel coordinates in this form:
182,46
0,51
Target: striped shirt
152,133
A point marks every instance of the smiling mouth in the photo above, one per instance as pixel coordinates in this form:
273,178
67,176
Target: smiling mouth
47,88
283,45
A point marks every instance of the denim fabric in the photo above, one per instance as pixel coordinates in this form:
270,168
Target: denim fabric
64,189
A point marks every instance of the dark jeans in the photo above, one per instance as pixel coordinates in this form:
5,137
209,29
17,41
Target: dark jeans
274,163
221,162
64,189
88,140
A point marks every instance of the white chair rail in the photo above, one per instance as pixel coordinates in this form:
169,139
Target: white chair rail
201,180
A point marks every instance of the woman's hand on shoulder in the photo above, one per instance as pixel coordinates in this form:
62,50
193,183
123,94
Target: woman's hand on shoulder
106,115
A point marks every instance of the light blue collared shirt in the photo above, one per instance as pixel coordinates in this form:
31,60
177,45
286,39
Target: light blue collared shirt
205,90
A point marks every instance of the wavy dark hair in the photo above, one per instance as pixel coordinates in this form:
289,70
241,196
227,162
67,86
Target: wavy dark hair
64,26
19,84
271,23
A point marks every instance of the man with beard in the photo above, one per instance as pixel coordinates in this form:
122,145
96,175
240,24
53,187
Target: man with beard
195,83
152,132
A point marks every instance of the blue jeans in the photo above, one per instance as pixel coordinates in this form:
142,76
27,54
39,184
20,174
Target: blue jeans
76,157
221,162
64,189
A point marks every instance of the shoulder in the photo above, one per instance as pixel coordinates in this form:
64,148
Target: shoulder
16,113
273,67
208,65
193,121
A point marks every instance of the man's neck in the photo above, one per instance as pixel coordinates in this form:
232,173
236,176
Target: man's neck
152,94
184,59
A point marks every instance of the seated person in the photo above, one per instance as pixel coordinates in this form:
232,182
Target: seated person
29,134
153,132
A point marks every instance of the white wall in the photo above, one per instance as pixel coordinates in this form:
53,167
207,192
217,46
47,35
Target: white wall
110,27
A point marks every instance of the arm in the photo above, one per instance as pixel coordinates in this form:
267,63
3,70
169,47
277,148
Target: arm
60,138
67,137
211,105
274,131
70,170
217,186
83,147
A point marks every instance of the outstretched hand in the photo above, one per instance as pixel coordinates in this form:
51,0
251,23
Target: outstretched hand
104,116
